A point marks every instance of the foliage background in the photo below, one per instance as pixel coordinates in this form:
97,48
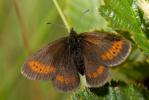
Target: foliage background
30,27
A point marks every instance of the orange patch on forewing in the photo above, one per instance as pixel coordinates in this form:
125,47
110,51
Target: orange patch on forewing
113,51
41,68
100,70
65,80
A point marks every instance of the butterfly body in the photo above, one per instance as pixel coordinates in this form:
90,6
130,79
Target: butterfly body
89,53
75,48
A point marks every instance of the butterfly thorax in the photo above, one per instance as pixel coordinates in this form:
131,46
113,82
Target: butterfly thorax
75,48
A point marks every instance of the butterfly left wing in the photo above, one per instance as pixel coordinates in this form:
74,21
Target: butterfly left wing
40,66
53,62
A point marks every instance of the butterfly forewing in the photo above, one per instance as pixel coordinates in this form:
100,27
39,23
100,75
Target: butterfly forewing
112,50
40,66
53,62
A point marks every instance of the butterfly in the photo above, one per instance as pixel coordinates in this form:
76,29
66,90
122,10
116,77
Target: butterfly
88,53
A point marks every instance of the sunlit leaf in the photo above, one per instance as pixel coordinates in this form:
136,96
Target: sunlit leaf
121,14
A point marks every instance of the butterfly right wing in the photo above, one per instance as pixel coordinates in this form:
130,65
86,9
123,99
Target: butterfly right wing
96,73
101,50
40,66
111,49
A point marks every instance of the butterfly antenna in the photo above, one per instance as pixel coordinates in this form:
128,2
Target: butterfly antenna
61,14
56,25
86,11
82,14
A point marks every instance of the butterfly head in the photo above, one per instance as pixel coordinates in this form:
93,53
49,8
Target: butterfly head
72,37
73,40
73,33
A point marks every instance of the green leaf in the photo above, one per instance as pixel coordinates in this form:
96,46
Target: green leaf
113,91
83,16
122,14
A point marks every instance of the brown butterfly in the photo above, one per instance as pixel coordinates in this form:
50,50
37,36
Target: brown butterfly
88,53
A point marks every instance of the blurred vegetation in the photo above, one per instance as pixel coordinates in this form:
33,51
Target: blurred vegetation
23,30
112,91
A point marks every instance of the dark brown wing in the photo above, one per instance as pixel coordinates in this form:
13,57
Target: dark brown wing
112,50
101,50
96,73
40,66
67,77
53,62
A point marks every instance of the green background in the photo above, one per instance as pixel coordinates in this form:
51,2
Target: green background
24,21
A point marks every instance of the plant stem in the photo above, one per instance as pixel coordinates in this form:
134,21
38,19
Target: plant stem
22,27
61,14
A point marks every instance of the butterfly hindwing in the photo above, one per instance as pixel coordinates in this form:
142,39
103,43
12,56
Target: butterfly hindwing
111,49
95,72
40,66
67,77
